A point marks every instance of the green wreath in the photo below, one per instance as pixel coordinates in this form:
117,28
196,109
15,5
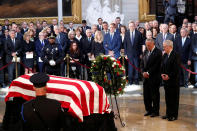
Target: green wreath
109,73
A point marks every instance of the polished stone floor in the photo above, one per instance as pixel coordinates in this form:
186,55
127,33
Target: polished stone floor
132,112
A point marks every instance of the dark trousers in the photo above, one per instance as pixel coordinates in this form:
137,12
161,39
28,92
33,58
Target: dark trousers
151,96
172,100
169,18
62,72
11,70
132,72
184,76
40,66
1,72
53,70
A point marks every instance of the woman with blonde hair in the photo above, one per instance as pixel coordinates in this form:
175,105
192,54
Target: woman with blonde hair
28,50
97,45
32,34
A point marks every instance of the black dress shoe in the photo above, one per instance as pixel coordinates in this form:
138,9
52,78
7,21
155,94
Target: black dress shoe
171,119
164,117
154,114
147,114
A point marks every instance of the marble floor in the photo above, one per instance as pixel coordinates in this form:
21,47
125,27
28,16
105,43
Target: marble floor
132,112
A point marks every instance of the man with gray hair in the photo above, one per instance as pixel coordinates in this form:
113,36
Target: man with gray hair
86,46
183,48
151,65
62,41
170,75
161,37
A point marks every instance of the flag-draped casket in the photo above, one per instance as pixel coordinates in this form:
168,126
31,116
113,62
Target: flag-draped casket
81,98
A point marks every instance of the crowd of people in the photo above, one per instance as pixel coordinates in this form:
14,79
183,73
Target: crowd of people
42,47
159,50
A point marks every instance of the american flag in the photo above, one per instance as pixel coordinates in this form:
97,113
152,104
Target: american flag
82,98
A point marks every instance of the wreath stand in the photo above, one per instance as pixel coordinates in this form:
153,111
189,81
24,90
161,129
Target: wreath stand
113,78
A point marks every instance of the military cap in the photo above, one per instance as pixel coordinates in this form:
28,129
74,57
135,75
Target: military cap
51,36
39,79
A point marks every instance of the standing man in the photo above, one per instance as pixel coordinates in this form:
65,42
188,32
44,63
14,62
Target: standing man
170,76
105,28
112,42
170,10
133,50
84,26
39,44
18,35
41,113
62,41
117,22
1,64
13,49
183,48
86,47
70,27
54,23
100,22
52,57
164,35
151,65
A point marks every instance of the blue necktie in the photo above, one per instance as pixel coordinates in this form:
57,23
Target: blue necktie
42,43
111,37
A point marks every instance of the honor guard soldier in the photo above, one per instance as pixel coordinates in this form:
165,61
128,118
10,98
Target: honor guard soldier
41,113
52,57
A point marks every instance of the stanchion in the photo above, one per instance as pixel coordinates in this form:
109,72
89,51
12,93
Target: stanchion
15,57
67,64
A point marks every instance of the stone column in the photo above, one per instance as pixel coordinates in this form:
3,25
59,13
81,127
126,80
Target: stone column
60,11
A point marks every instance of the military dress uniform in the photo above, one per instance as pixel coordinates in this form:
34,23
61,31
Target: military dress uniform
41,113
52,57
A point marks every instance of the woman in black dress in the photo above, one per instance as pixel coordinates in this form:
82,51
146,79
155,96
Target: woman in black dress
74,53
28,53
97,45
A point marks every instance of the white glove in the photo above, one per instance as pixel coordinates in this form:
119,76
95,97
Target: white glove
52,63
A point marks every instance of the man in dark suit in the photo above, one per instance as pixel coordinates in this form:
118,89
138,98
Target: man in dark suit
133,50
84,26
2,84
39,45
173,31
105,28
194,30
118,20
18,35
170,75
151,71
54,23
24,28
194,56
112,42
6,26
170,10
13,49
71,27
183,48
100,22
86,47
161,37
62,41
